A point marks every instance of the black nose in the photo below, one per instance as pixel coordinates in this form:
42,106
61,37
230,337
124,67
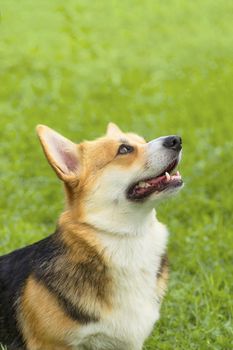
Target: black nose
173,142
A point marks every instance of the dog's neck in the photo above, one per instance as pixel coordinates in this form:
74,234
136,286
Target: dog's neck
129,238
124,221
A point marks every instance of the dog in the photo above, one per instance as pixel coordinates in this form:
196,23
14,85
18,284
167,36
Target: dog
97,283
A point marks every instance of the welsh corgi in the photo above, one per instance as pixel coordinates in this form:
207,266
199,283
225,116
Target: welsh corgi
96,283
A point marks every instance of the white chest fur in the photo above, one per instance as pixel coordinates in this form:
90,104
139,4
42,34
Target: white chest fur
134,262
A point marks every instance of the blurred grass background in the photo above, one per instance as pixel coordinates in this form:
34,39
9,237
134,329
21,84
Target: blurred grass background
155,68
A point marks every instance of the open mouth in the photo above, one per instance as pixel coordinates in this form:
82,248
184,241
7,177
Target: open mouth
168,179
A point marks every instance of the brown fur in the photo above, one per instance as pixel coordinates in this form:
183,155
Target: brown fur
38,305
95,156
42,321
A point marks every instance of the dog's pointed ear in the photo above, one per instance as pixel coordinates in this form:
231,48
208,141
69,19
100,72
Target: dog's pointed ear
113,130
62,154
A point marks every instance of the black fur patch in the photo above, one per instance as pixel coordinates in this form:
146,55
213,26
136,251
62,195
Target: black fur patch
70,281
15,268
163,265
48,262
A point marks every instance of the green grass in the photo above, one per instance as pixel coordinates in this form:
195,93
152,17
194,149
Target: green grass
153,67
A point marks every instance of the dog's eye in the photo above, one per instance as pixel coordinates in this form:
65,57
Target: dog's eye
124,149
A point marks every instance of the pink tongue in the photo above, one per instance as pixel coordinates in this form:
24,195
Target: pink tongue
153,182
157,180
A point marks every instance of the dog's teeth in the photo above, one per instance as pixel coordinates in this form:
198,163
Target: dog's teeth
143,184
168,177
178,173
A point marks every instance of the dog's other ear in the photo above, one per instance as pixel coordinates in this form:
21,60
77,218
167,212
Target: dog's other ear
62,154
113,131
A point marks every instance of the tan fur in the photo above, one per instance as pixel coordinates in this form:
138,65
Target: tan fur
44,324
95,157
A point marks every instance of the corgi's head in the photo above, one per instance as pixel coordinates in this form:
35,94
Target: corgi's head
117,179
